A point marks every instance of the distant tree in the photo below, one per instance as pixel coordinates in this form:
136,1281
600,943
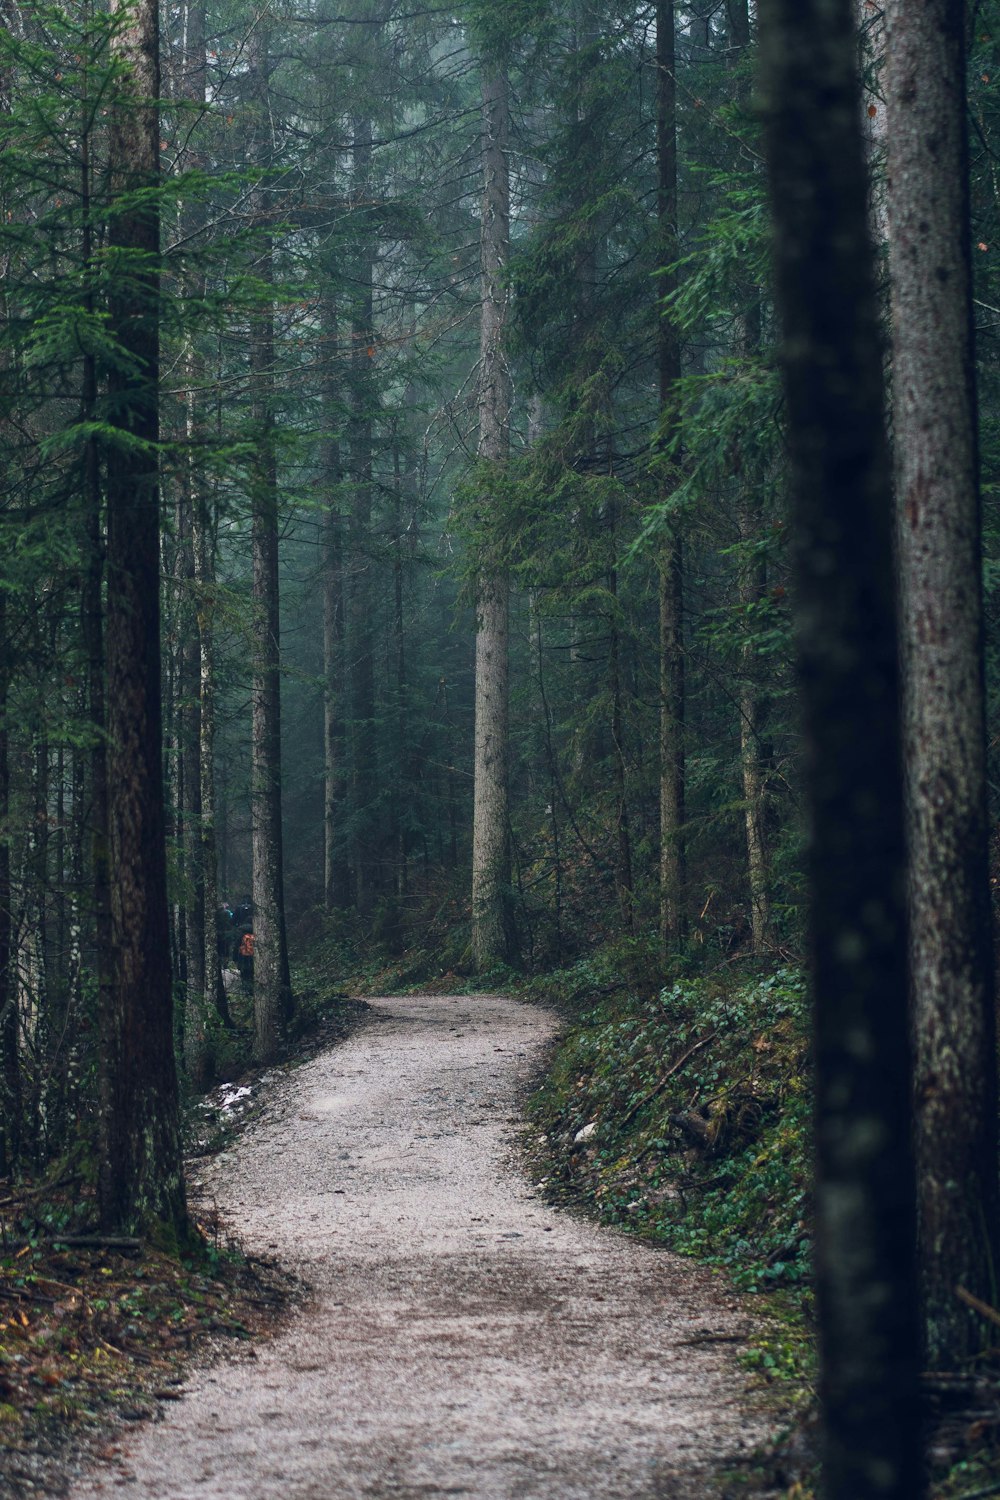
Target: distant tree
939,528
361,634
336,876
492,922
847,650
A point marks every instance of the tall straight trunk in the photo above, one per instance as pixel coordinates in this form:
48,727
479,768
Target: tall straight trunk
188,715
755,753
336,876
10,1061
204,566
673,877
400,789
142,1180
33,941
847,659
61,875
360,633
939,530
623,860
174,769
272,981
205,1000
492,918
92,635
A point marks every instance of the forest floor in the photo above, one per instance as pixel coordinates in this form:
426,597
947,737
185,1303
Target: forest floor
460,1336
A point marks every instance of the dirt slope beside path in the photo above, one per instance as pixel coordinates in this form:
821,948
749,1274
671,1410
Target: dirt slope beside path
465,1339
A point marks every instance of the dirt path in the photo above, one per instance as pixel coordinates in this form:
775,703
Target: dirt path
465,1339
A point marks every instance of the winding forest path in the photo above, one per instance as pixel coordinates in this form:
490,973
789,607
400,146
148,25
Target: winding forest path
464,1338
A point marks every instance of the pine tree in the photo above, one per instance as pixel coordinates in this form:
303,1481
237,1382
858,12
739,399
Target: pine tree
492,927
939,529
847,651
142,1182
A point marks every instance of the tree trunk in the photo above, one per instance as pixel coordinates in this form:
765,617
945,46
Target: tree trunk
847,658
271,978
92,635
400,791
939,529
206,1002
10,1061
673,877
189,739
755,753
214,997
623,831
142,1184
360,633
336,876
492,919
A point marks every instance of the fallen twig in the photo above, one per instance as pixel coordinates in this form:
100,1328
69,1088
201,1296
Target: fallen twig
37,1192
99,1241
22,1294
666,1077
711,1338
977,1305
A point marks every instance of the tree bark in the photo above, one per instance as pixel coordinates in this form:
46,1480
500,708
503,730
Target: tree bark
272,980
493,939
847,658
939,530
188,718
93,637
365,818
206,1002
755,753
142,1184
10,1061
336,876
673,874
214,998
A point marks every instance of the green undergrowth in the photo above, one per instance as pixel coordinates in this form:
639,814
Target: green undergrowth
682,1114
346,955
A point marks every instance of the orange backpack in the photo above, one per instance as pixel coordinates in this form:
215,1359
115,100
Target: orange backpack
246,946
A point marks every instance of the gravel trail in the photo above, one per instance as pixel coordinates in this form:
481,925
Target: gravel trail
464,1338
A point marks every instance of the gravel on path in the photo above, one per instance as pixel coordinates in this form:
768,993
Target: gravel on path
464,1338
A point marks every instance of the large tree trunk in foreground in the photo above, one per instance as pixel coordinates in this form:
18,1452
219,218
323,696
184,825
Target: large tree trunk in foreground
865,1213
492,919
938,525
141,1182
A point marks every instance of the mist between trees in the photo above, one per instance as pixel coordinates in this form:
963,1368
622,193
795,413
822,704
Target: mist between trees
394,524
